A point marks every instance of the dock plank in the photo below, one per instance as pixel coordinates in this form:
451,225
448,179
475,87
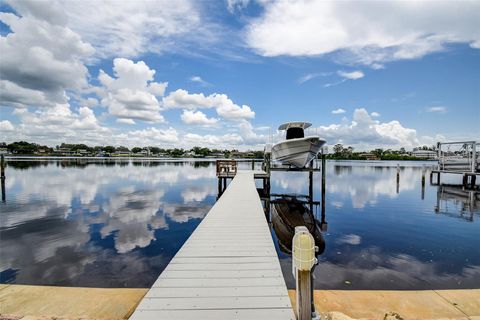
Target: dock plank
227,269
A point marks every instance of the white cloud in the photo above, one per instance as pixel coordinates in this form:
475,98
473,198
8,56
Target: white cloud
249,135
197,118
48,125
438,109
353,75
6,125
365,133
223,105
220,141
363,32
126,121
131,28
199,80
131,94
40,59
338,111
149,136
375,114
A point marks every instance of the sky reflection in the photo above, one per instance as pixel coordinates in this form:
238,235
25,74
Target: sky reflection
118,224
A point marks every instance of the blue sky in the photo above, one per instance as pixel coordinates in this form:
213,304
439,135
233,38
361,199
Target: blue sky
226,73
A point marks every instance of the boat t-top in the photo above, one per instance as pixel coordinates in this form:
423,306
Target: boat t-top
296,149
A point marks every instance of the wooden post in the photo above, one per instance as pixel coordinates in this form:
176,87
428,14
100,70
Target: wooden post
303,260
219,187
2,165
2,177
465,180
304,291
473,181
253,164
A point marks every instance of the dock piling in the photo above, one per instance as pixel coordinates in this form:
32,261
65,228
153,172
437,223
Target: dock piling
2,176
2,165
303,260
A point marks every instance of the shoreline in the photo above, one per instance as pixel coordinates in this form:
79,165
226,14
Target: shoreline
51,302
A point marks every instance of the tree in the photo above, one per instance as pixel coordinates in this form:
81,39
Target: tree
378,152
154,150
122,149
109,149
136,149
338,148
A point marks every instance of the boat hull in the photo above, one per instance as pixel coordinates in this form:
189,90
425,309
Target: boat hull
297,152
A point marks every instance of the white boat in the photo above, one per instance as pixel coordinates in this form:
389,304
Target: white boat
297,150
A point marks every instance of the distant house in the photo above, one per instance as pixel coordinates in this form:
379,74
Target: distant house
64,152
3,151
144,153
369,156
82,152
424,154
217,155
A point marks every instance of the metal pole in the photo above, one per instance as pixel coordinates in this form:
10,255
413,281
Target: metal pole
474,155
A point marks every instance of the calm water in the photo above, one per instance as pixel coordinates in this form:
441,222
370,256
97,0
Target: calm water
118,224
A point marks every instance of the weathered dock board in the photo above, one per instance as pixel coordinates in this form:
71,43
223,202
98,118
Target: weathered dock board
227,269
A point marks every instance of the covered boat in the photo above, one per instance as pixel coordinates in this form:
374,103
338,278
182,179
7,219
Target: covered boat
296,149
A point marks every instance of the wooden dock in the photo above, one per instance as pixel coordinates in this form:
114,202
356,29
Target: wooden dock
227,269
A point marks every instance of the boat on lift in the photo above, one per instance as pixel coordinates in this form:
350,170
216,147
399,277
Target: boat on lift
296,150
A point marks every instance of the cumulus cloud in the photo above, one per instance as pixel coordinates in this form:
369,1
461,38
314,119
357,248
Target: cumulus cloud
6,125
338,111
225,140
369,33
47,125
131,93
149,136
197,118
41,58
129,28
223,105
375,114
364,132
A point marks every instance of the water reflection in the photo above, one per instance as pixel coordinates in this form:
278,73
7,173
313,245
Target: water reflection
381,238
289,212
100,223
117,223
457,201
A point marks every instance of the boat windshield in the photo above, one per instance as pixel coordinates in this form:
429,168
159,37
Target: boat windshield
295,133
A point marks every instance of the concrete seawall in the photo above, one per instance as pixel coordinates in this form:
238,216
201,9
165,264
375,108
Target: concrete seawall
48,302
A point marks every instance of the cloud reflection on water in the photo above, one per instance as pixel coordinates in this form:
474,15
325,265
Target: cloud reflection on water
93,211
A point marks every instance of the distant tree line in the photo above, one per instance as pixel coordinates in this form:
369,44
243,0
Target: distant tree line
347,153
26,148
